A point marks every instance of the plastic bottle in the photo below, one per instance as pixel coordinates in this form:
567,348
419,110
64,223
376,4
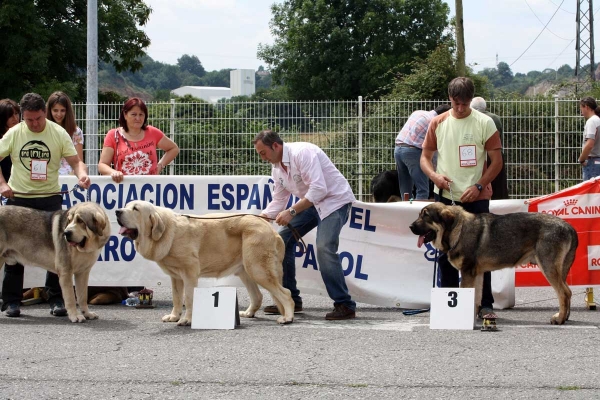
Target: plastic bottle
131,301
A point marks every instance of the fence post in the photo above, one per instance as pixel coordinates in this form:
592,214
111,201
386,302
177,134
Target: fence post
172,134
360,150
556,147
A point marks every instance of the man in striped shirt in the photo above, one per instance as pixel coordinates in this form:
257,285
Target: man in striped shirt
409,144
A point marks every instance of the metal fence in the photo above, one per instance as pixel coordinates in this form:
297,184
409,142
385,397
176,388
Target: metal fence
541,138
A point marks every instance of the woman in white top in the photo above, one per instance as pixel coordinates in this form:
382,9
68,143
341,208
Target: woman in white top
60,110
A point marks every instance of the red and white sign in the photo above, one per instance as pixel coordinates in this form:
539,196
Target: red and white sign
580,206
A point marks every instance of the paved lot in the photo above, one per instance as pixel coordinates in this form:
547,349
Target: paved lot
383,354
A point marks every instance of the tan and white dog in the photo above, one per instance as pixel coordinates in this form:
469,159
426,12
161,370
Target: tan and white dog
65,242
213,245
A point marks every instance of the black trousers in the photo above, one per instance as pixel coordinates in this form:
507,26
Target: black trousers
449,274
12,286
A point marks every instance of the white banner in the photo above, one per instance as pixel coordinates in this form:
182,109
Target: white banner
382,263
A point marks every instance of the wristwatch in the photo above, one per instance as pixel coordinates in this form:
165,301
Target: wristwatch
478,186
292,211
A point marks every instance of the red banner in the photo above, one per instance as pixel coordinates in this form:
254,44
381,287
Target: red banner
580,206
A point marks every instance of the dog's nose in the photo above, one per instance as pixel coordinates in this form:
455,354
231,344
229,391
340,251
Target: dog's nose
118,212
68,235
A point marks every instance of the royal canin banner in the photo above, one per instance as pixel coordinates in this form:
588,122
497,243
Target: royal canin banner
580,206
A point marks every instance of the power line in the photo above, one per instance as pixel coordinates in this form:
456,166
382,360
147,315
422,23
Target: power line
538,18
560,54
562,9
536,38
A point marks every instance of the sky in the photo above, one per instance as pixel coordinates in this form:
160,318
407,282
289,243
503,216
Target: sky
226,33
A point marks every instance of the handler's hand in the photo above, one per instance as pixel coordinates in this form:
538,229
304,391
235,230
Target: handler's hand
84,181
117,176
441,181
283,218
6,191
470,195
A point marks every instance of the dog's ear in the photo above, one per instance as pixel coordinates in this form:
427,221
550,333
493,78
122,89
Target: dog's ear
99,224
158,226
447,216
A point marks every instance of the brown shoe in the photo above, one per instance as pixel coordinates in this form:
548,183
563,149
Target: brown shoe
272,309
340,312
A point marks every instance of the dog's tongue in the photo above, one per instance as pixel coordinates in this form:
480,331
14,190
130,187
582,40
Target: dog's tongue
122,230
421,241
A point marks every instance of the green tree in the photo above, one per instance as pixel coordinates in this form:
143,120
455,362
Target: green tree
428,79
191,64
46,41
343,49
219,78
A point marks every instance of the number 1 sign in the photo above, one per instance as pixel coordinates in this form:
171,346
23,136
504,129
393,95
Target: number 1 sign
215,308
452,308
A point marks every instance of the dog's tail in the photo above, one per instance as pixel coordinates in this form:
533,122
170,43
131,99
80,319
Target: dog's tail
570,256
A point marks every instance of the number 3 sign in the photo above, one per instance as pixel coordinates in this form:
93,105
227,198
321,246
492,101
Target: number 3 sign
215,308
452,308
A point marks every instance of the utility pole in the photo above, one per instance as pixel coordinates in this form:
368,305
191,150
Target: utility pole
461,67
91,113
585,41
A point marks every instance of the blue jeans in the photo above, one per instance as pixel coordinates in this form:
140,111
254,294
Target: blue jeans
592,169
408,164
328,240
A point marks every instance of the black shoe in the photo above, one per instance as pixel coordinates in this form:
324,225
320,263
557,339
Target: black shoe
13,309
58,309
272,309
340,312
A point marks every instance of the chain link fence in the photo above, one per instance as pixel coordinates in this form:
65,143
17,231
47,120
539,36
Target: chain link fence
541,138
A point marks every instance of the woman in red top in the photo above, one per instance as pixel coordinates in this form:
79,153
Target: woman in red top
131,149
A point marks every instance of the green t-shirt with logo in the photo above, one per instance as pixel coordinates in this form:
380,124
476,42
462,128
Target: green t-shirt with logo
23,145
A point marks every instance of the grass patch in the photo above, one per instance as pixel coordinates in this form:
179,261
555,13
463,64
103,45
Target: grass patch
358,385
569,388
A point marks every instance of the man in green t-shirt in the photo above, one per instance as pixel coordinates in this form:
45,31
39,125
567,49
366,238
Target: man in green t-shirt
36,146
463,139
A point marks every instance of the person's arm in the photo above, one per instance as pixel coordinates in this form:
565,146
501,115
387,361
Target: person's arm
439,180
104,167
79,148
80,170
586,150
171,150
5,190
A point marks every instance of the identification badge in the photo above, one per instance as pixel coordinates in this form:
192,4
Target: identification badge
468,155
39,170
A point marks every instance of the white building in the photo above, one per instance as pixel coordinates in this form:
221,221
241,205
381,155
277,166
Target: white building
241,82
207,93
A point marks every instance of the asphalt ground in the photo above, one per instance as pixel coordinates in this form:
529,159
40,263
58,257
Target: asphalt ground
382,354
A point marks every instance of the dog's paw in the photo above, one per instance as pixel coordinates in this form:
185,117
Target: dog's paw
184,322
555,320
283,321
170,318
77,318
246,314
90,315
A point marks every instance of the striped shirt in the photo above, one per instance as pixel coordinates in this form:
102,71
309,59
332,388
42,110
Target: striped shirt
414,130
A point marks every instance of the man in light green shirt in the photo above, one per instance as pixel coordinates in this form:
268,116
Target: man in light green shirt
35,146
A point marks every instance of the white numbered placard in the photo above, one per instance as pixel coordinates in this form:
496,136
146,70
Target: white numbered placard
452,308
215,308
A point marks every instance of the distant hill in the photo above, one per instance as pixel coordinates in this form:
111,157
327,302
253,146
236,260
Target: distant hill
156,80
